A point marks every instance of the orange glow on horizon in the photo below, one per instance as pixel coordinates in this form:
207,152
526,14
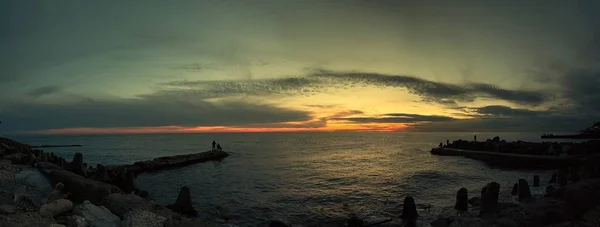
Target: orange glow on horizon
226,129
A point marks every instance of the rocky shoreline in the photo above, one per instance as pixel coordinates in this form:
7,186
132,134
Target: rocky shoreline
81,195
86,196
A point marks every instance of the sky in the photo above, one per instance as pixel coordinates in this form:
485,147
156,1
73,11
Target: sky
298,65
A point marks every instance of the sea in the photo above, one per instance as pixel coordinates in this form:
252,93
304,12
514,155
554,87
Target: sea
307,178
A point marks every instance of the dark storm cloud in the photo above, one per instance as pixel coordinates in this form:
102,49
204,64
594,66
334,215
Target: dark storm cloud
45,90
504,118
142,112
505,111
396,118
436,91
429,91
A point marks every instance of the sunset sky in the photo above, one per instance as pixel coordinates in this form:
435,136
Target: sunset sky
298,65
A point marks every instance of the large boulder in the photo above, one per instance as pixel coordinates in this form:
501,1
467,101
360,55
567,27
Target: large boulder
77,164
120,204
142,218
81,188
489,200
524,191
57,193
57,207
462,199
583,195
97,216
409,211
183,204
102,174
77,221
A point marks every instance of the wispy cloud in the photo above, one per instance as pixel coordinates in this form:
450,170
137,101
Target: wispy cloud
321,80
43,91
395,118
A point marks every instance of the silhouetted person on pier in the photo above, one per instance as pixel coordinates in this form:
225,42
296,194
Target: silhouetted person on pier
441,145
219,147
213,145
475,138
447,142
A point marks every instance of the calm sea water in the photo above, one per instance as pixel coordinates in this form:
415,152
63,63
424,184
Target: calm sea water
302,178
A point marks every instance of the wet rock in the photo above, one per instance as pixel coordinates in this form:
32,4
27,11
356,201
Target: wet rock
475,201
7,209
142,218
57,225
515,189
462,199
409,211
281,224
582,196
57,193
77,221
57,207
16,158
550,189
102,174
81,188
524,192
120,204
26,219
183,204
128,184
96,215
536,181
562,178
77,165
489,201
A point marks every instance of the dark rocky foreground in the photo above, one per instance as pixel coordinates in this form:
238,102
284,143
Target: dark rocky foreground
90,196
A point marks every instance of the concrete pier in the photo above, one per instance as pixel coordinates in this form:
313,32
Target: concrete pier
171,161
512,160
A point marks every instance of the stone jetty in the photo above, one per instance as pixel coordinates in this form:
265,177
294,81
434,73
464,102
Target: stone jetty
511,159
170,162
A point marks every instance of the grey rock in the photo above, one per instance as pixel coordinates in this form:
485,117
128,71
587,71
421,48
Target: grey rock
97,216
409,211
77,165
81,188
524,191
142,218
583,195
183,204
77,221
120,204
7,209
56,207
462,199
489,201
